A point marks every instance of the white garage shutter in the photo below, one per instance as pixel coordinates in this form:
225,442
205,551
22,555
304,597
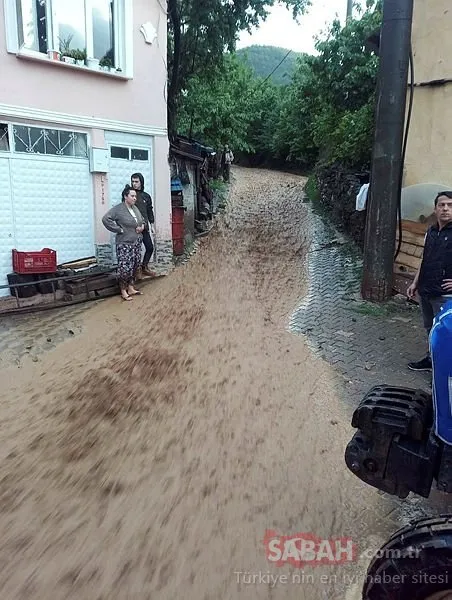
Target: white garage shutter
128,147
53,205
120,173
6,224
128,154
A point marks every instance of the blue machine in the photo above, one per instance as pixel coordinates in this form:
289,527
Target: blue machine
441,353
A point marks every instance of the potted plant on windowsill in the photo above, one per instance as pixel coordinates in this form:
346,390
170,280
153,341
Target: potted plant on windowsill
106,64
93,63
79,56
53,54
65,50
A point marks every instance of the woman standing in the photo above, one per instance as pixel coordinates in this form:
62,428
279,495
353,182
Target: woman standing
126,221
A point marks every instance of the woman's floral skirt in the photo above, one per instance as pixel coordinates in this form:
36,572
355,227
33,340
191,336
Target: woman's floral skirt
129,260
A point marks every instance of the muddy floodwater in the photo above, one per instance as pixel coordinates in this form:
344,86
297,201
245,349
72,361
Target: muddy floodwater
151,455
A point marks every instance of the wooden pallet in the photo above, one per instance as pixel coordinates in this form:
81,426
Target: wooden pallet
409,258
92,295
80,264
94,286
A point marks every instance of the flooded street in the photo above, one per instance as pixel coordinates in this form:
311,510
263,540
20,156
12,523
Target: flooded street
147,457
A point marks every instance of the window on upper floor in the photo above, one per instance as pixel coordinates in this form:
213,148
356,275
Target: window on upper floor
95,29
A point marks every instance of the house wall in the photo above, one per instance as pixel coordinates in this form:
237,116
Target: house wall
162,209
81,92
53,94
429,151
159,188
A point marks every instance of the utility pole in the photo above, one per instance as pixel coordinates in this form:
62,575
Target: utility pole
386,172
349,9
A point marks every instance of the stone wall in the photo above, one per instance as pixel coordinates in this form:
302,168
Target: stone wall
163,254
336,190
104,254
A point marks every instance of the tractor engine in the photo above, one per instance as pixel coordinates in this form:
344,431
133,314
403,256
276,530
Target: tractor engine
395,448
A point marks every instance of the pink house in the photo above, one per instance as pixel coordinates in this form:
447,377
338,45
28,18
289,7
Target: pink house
82,107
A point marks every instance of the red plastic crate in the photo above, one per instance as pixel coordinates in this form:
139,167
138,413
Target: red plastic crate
44,261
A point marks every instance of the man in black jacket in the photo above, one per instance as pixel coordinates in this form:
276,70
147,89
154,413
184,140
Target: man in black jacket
144,205
433,281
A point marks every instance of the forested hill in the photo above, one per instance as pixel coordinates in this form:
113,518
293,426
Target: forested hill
263,59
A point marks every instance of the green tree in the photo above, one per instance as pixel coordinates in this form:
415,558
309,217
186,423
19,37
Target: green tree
266,60
217,109
325,114
292,139
328,111
199,33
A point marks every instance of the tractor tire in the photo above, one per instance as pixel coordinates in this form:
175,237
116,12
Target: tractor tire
415,564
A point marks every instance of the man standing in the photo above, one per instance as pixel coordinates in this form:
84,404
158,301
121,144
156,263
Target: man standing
228,159
144,205
433,281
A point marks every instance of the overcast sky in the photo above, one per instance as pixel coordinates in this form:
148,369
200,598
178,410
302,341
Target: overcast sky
281,30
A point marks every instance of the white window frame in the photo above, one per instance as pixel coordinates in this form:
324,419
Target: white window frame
10,149
12,144
131,147
12,152
122,25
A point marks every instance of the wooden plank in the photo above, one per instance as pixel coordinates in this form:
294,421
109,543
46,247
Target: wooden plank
96,283
409,249
416,228
75,290
105,293
408,261
109,291
404,269
412,250
79,264
411,238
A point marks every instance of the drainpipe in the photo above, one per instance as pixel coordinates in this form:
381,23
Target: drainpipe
386,173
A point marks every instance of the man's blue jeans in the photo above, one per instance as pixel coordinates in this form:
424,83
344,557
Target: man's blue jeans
430,307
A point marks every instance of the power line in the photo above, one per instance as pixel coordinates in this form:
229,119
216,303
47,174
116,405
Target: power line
277,67
261,83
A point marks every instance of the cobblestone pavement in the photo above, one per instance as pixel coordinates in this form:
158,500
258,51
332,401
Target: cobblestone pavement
367,344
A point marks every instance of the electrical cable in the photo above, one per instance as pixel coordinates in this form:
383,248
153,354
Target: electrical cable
261,83
277,67
405,143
